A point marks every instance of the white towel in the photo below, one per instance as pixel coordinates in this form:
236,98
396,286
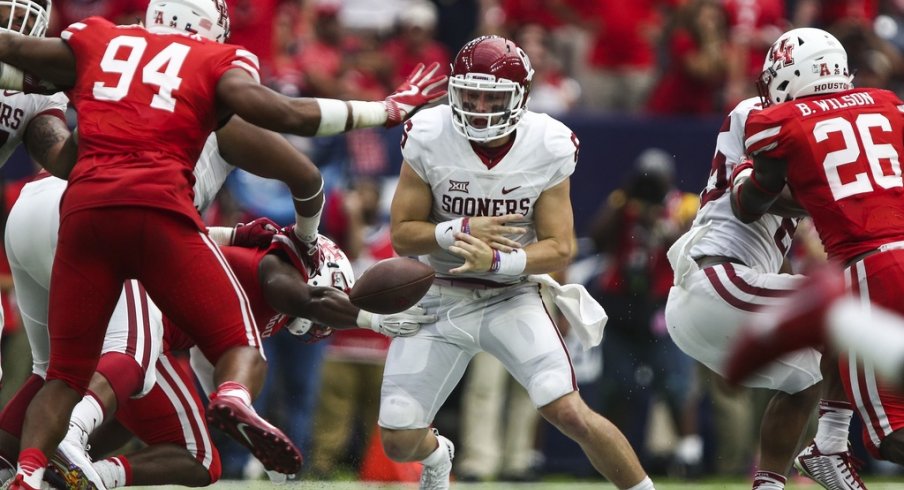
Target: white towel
583,313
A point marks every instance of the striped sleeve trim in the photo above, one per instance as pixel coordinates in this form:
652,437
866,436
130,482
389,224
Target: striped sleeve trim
759,141
66,34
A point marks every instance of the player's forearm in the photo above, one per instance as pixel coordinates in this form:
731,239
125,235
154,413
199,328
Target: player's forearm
414,237
49,59
549,255
330,307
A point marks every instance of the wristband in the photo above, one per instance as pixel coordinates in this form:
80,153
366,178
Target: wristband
445,231
510,264
339,116
11,78
365,320
221,235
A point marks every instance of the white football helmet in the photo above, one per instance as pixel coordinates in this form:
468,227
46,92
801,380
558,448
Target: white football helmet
335,271
206,18
28,17
803,62
489,88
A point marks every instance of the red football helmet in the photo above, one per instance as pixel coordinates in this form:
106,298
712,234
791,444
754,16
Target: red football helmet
489,87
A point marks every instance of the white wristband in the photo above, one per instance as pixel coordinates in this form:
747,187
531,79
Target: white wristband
445,232
365,319
510,264
221,235
339,116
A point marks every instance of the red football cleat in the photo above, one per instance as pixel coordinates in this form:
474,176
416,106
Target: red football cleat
798,323
267,443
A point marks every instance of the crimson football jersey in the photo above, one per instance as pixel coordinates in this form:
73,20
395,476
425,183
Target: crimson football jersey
146,104
843,153
245,263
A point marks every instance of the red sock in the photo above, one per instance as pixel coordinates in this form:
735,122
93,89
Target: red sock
126,467
30,460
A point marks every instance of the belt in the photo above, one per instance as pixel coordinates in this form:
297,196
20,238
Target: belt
712,260
470,283
882,248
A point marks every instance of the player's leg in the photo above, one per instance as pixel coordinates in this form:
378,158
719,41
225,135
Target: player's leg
170,420
189,279
85,284
521,334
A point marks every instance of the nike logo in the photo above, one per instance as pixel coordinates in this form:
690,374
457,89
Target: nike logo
448,230
241,428
506,191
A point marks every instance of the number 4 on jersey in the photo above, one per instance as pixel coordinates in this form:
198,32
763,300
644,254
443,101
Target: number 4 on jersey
161,71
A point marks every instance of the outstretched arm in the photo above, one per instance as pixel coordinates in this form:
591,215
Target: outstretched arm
259,105
49,59
50,143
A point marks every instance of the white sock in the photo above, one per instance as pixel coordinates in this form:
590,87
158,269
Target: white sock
111,472
767,480
645,484
438,455
834,422
32,479
86,416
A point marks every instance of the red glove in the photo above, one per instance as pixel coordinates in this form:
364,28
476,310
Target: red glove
310,252
255,234
421,88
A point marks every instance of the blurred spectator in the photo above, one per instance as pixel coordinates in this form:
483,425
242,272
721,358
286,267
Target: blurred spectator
415,43
753,26
118,11
551,90
634,228
874,60
458,22
622,60
251,24
697,66
320,63
352,373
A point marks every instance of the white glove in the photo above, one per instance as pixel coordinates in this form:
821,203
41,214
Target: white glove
404,324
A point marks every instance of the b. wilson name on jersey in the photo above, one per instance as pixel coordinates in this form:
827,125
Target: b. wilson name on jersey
484,206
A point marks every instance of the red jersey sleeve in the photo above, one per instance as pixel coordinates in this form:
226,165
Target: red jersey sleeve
769,132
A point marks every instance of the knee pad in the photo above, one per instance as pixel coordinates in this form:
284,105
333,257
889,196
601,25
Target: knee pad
400,412
547,387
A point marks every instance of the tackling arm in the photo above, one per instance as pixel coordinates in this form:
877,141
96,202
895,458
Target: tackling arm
49,59
753,195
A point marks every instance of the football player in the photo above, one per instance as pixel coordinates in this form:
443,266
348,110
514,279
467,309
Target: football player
147,99
845,145
484,196
38,121
725,272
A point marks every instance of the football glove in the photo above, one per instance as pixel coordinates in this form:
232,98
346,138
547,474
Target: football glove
423,87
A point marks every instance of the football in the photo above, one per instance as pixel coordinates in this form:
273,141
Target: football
392,285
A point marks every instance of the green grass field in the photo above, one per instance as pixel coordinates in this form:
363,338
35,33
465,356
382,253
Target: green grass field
662,484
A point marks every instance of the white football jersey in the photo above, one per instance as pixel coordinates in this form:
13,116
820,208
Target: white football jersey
543,154
16,112
760,245
210,172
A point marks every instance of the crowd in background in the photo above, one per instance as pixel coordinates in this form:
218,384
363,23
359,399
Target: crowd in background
679,58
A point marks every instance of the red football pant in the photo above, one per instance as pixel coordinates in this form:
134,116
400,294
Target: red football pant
880,279
181,269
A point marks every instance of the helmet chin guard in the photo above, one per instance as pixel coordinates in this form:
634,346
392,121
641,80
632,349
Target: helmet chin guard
206,18
489,88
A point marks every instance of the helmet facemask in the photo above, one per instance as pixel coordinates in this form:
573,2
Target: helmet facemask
26,17
484,109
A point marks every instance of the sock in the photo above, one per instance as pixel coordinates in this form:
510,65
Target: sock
86,417
767,480
31,466
115,471
231,388
437,456
645,484
834,423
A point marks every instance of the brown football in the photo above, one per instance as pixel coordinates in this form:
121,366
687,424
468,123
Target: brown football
392,285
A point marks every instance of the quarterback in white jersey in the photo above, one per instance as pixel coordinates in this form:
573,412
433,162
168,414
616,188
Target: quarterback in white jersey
483,196
725,273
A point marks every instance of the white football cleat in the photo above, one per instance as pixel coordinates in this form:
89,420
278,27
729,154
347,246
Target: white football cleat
436,477
834,471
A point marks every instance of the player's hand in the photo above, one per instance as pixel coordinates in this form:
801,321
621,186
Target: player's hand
492,230
310,252
478,254
404,324
254,234
422,87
